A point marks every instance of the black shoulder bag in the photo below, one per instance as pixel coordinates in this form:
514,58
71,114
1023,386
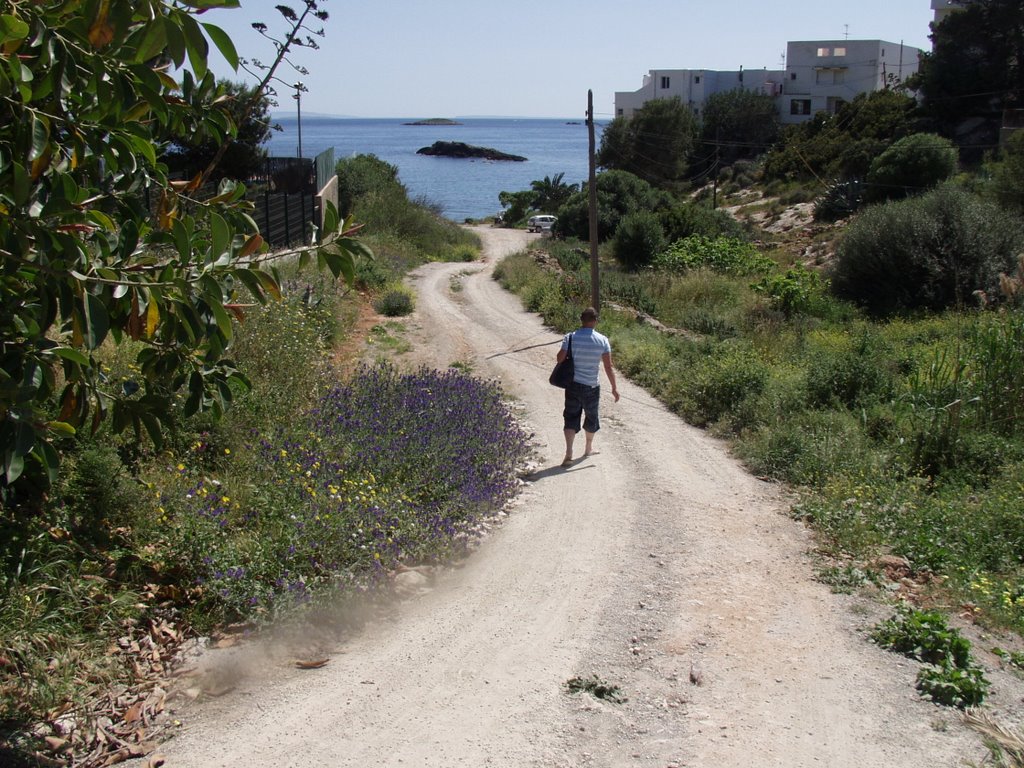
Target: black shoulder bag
564,371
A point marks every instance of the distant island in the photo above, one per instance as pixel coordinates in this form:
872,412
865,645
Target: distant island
460,150
434,121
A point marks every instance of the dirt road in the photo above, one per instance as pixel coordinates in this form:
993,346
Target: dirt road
659,565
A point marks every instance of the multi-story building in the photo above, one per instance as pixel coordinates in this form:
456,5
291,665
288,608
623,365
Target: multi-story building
820,76
695,86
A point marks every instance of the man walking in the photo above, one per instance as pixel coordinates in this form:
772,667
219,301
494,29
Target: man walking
590,350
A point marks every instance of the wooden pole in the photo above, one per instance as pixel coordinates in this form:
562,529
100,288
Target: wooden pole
595,289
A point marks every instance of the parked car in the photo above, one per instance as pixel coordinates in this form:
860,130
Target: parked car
541,223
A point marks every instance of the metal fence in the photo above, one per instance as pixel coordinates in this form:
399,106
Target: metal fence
284,192
324,168
285,218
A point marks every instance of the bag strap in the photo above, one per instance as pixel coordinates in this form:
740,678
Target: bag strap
570,344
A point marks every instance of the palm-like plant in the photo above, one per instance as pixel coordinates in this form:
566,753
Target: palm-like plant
551,192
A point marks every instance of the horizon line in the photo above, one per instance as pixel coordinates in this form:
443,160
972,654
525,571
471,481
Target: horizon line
281,114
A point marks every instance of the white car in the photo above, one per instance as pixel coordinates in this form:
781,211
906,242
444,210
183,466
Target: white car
542,223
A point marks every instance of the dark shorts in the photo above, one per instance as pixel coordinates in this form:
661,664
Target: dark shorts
580,399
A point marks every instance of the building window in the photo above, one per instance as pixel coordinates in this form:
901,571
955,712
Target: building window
839,52
824,52
839,76
834,104
800,107
792,75
696,80
664,82
619,111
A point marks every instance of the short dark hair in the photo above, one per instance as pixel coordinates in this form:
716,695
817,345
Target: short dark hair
588,315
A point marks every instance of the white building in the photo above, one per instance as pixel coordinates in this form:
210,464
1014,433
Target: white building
943,8
695,86
822,75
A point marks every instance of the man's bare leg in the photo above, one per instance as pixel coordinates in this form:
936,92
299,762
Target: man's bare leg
589,450
570,437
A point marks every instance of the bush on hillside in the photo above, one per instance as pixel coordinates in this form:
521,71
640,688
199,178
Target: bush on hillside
396,301
693,219
929,252
912,165
638,239
839,200
618,194
360,175
1008,174
842,146
726,255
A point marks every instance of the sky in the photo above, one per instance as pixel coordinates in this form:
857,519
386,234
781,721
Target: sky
538,58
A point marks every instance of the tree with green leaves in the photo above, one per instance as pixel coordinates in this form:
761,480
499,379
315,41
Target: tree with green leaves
738,124
249,111
89,103
551,192
912,165
619,194
516,205
975,70
655,143
842,146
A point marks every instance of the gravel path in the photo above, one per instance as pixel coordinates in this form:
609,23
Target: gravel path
659,565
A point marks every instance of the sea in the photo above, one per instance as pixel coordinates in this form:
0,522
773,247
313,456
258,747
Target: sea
460,188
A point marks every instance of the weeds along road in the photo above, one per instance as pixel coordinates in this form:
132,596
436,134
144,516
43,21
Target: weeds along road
659,566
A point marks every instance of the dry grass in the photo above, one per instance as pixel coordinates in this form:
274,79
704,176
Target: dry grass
1006,747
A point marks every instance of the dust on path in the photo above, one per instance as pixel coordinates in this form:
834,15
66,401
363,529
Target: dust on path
654,564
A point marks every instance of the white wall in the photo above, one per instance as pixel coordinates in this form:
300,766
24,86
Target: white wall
821,75
695,86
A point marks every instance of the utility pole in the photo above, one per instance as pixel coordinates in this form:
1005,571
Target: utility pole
718,149
299,88
595,289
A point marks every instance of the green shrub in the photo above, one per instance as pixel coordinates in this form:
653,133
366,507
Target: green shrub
924,636
462,252
722,254
1008,174
852,377
954,686
953,678
912,165
720,382
629,289
360,175
638,239
938,407
929,252
618,193
995,351
797,291
807,448
373,274
688,219
839,200
396,301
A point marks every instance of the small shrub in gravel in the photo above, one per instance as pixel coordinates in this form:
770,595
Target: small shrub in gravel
396,301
